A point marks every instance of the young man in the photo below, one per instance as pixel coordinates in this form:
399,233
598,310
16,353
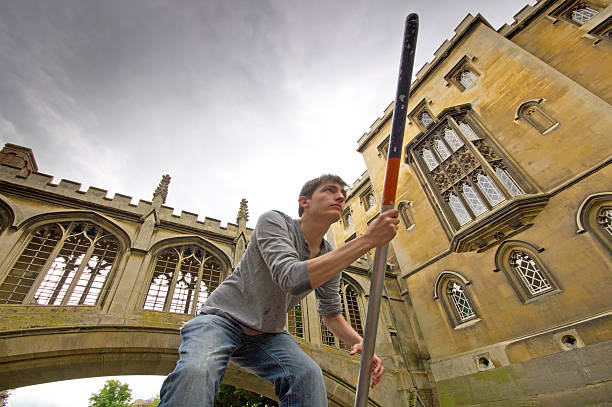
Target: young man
244,318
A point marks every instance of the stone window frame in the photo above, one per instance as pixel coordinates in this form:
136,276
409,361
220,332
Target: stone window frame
66,223
486,157
150,301
440,293
590,217
464,64
356,321
415,115
603,31
504,262
296,320
565,10
347,214
406,214
533,113
364,198
383,148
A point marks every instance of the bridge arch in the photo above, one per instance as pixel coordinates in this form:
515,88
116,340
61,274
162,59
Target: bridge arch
42,355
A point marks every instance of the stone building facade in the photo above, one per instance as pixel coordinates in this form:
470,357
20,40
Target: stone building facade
505,194
497,290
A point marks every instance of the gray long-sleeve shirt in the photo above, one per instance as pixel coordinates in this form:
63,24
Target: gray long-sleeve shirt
272,277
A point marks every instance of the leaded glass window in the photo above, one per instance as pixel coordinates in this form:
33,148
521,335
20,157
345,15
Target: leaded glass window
371,200
473,199
429,159
348,219
295,321
183,277
452,139
508,182
350,311
467,131
582,14
425,118
327,338
489,189
460,301
604,219
529,272
64,263
467,175
459,210
466,78
441,148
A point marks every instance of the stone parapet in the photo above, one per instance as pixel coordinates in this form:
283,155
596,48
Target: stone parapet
42,184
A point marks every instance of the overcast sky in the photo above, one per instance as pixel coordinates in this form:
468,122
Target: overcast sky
233,99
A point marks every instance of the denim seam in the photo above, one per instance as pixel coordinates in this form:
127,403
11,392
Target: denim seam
280,363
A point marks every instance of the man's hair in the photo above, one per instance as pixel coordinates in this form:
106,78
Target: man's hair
310,186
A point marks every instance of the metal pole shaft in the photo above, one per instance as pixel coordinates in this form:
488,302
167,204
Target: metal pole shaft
388,202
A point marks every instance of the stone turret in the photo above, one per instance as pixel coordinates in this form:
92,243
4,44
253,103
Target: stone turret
161,192
19,157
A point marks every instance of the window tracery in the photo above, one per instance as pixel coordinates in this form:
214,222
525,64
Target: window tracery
451,288
530,272
581,13
63,263
467,174
461,303
525,270
183,277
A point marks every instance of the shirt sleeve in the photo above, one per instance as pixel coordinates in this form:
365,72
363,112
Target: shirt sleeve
328,294
280,255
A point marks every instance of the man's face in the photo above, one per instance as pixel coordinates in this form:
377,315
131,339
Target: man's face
327,201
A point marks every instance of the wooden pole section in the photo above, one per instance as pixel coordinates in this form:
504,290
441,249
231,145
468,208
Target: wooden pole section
388,202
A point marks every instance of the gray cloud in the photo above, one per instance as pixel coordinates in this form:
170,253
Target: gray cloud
233,98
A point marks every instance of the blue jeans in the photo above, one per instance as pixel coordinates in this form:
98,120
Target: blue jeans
208,343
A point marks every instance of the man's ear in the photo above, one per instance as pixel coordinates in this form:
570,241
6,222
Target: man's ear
304,201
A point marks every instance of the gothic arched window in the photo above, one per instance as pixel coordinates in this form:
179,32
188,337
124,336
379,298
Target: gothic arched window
525,270
63,263
467,175
451,288
350,311
183,277
405,211
595,216
533,113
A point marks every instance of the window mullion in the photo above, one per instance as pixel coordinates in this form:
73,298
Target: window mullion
43,271
79,271
196,292
177,270
464,201
476,187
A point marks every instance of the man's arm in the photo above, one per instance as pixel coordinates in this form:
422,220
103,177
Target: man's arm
345,332
380,232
